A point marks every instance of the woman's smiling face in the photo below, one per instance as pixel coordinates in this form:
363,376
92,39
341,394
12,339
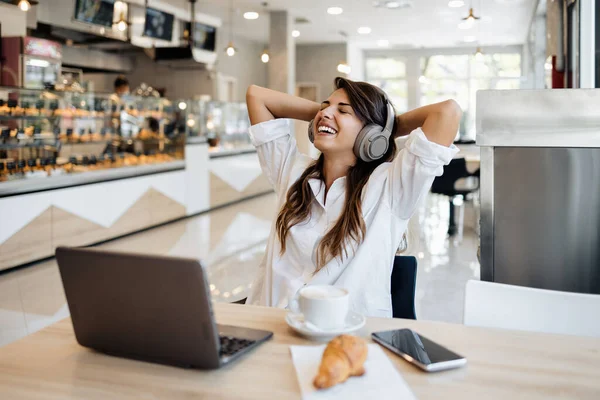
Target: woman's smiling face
336,125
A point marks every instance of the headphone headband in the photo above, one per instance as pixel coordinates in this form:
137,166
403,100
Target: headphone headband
389,123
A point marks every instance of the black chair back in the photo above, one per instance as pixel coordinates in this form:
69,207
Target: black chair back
404,282
444,184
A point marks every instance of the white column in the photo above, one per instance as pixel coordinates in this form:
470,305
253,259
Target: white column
587,45
356,60
282,49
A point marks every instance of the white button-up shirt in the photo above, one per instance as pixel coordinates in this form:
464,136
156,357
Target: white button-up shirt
389,199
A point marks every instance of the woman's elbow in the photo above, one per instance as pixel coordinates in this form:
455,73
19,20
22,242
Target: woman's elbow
250,92
451,109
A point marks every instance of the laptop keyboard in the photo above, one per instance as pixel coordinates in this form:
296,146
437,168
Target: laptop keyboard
231,345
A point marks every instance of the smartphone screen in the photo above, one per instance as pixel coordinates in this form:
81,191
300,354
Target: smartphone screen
426,353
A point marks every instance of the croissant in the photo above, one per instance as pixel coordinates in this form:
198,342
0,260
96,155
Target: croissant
343,357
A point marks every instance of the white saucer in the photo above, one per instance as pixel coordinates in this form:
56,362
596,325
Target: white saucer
354,321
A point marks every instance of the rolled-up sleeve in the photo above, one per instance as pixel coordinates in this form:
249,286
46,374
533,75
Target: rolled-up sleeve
414,169
276,148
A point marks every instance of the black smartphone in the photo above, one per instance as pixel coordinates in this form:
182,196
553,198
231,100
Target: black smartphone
418,350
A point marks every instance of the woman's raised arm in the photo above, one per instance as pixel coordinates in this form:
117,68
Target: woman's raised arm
266,104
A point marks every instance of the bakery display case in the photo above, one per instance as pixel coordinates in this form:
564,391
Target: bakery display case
223,124
79,168
46,134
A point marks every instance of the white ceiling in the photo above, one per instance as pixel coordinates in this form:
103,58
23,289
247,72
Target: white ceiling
428,23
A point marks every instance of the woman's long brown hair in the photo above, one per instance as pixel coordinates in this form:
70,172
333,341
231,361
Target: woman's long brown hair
369,104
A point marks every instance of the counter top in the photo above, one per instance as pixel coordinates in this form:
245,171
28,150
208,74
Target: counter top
195,140
24,186
216,152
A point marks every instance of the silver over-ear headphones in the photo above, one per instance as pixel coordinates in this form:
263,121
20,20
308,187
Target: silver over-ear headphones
372,141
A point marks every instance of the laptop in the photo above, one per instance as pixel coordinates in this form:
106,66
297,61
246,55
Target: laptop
149,308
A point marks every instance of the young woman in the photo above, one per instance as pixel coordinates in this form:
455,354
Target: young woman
341,217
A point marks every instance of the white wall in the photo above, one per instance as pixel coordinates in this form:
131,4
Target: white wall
245,66
317,63
13,20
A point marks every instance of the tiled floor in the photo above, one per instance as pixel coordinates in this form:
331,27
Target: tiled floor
231,242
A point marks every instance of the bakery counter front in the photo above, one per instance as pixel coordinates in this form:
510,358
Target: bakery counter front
234,175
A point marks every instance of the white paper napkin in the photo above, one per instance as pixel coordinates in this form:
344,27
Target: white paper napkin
381,380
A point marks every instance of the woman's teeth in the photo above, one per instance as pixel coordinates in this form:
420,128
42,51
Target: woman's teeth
327,129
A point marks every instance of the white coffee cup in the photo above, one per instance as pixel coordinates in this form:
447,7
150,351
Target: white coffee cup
323,306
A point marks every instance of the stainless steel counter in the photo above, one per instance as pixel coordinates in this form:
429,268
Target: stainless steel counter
540,188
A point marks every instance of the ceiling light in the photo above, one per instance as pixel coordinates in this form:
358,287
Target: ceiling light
122,26
344,68
251,15
264,57
122,23
335,10
471,17
24,5
469,39
548,66
456,3
230,50
383,43
393,4
364,30
182,105
191,122
295,33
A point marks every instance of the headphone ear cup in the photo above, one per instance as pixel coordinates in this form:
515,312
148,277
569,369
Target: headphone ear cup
378,146
311,133
362,145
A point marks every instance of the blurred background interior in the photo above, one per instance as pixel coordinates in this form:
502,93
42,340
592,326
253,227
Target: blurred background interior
162,163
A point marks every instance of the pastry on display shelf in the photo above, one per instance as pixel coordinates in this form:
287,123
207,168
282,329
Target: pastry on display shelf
18,111
32,112
96,137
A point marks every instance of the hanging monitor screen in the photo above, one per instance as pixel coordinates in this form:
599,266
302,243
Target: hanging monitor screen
204,36
158,25
97,12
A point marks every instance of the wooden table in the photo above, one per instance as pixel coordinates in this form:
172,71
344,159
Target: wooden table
501,365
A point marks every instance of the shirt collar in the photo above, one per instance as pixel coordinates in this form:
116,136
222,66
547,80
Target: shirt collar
336,190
